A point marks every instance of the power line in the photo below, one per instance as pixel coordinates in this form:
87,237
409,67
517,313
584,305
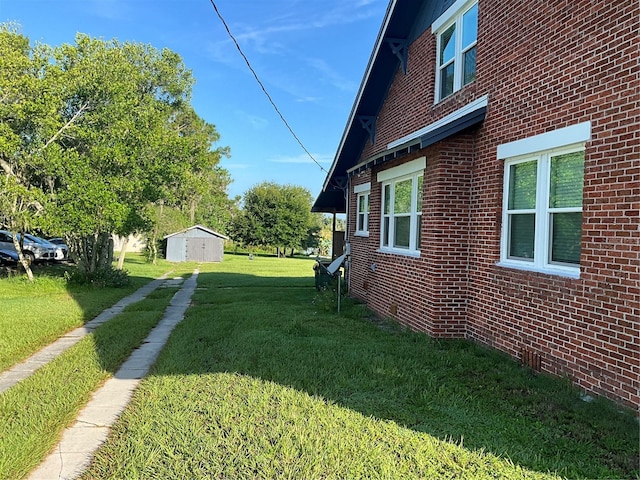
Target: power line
263,87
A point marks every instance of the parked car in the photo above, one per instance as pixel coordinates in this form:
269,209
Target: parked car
60,242
8,258
61,252
33,251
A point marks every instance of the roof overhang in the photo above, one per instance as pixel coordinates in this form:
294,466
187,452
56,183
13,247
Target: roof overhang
403,22
447,126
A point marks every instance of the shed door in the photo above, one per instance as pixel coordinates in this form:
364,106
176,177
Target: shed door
200,249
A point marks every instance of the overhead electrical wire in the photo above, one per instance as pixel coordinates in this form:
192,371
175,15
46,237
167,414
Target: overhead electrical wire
224,23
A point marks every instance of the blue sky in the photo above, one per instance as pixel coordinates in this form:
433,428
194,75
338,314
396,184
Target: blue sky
310,55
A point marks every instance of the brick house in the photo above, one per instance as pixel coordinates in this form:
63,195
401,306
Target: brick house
490,173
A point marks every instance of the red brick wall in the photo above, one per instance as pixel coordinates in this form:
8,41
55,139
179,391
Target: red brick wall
544,65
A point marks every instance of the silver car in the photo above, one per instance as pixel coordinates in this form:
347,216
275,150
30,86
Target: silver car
33,251
60,250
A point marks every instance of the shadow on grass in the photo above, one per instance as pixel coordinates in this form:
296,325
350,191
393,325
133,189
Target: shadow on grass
281,329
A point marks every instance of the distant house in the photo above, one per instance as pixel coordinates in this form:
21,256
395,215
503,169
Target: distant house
491,171
195,244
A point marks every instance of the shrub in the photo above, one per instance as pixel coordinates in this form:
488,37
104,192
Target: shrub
102,277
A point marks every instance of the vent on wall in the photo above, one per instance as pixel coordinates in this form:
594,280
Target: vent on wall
531,359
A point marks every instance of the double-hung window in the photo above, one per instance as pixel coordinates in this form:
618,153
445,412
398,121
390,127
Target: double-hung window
457,33
542,220
363,193
542,201
402,208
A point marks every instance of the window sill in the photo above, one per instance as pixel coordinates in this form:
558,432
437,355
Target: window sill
397,251
561,272
361,234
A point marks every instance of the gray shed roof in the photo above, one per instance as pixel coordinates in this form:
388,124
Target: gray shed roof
198,227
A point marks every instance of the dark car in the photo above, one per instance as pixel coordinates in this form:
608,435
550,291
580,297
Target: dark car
8,258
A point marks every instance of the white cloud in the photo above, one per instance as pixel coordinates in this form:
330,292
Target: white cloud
308,99
332,76
266,38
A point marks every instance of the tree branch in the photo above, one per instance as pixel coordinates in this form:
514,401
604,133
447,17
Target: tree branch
82,108
6,166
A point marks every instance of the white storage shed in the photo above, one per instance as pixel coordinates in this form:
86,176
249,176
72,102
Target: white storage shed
195,244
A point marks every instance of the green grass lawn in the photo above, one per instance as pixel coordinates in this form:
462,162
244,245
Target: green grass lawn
264,380
35,314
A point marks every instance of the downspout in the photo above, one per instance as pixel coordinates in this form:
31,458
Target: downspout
469,234
347,243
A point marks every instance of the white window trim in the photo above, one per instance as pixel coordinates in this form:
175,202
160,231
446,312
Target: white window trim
363,187
561,137
407,168
410,170
362,190
540,263
446,19
452,15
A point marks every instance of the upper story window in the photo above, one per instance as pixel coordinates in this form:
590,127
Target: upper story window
457,33
542,211
402,189
362,209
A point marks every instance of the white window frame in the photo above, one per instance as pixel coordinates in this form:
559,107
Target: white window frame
409,171
362,191
541,261
453,15
566,138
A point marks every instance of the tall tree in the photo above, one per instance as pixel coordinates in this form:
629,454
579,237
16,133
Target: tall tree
28,124
274,215
97,130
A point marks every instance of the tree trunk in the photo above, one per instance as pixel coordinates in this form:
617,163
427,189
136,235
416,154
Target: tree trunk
23,260
154,248
192,211
93,241
105,251
123,252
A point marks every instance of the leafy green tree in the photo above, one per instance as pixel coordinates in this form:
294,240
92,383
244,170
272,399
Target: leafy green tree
94,132
274,215
210,205
28,124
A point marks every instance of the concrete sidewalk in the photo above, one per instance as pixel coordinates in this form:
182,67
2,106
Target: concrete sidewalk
25,369
80,441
